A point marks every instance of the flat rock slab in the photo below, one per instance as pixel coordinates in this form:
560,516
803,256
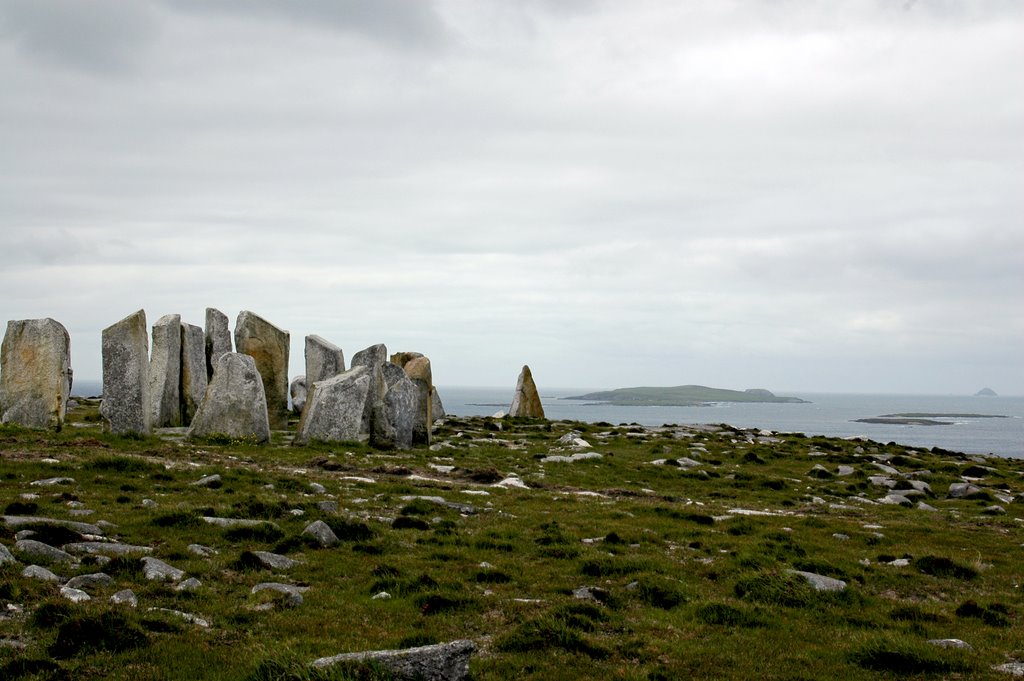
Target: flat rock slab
236,522
16,521
74,595
1011,668
441,662
156,569
321,533
97,580
468,509
274,561
582,456
102,548
187,616
50,482
37,551
821,582
39,572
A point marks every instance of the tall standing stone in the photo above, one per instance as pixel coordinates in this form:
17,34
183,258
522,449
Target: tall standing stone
417,368
235,404
193,371
372,358
334,408
394,414
35,373
165,372
218,338
268,346
125,403
324,360
526,400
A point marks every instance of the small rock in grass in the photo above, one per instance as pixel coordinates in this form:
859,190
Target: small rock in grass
187,616
202,551
190,584
958,490
156,569
844,471
274,561
317,488
97,580
993,510
6,557
327,506
1011,668
33,550
50,482
441,662
381,596
951,643
921,506
125,597
149,503
840,536
38,572
821,582
321,533
74,595
208,481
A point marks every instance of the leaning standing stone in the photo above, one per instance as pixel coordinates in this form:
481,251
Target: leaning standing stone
334,412
269,346
234,404
35,373
393,416
125,403
217,337
193,371
324,360
165,372
526,401
418,371
436,407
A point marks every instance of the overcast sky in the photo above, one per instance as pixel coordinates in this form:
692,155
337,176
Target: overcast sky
786,194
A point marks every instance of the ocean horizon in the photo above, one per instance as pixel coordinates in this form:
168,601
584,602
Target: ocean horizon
828,414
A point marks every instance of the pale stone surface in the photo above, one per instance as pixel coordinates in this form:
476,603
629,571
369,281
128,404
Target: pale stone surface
436,407
157,570
821,582
217,338
104,548
34,551
234,404
335,409
274,561
371,356
125,597
321,533
6,557
16,521
526,400
393,415
74,595
440,662
417,368
40,573
126,401
193,371
35,373
96,580
324,360
298,393
269,347
165,372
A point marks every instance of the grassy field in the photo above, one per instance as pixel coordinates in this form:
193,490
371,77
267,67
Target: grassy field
618,567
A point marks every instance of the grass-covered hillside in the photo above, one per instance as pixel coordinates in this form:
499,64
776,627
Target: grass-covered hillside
671,555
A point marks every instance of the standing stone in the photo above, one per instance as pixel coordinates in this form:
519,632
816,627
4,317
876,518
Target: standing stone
526,401
298,392
35,373
417,368
372,358
218,338
334,409
125,403
165,372
235,404
193,371
269,346
436,408
323,360
393,416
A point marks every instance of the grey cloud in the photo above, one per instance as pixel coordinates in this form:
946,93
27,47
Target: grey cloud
104,36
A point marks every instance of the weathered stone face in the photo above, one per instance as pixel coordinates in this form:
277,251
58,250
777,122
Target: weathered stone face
165,372
235,404
323,360
217,338
436,407
193,371
125,403
417,368
394,414
269,347
371,356
334,412
526,400
35,373
298,392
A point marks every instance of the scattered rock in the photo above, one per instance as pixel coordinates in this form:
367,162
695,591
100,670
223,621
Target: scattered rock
96,580
208,481
843,471
157,570
187,616
321,533
441,662
15,521
39,572
324,360
821,582
236,522
32,550
958,490
6,557
381,596
103,548
202,551
190,584
580,456
1011,668
125,597
50,482
292,593
273,561
951,643
74,595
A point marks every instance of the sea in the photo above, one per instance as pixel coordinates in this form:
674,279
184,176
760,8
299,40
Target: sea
830,414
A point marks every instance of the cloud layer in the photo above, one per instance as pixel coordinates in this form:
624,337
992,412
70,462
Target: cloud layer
817,197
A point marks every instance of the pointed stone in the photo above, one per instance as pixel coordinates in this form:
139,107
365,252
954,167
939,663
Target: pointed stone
35,373
217,338
234,404
269,347
324,360
372,358
334,412
436,407
165,372
193,371
126,402
526,400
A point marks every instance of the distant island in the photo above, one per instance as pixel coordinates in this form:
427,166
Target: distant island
986,392
682,396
